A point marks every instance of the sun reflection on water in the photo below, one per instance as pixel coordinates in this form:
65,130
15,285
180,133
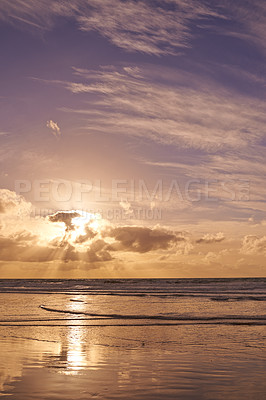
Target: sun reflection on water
80,354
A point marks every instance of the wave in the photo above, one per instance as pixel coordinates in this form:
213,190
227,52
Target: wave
253,289
170,290
172,323
239,298
225,297
159,317
77,301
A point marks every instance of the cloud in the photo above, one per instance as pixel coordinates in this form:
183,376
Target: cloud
40,14
98,252
252,16
141,239
12,249
223,128
11,203
211,238
24,237
81,222
98,244
66,217
126,206
156,28
83,237
143,26
211,257
253,245
53,126
169,107
89,234
67,239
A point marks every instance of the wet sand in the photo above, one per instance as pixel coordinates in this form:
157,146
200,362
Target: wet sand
49,355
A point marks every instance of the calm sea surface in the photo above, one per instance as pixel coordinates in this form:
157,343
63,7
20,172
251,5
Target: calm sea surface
133,339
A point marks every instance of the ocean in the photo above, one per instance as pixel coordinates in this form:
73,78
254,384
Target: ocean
133,339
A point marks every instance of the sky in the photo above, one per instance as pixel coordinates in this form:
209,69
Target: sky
132,138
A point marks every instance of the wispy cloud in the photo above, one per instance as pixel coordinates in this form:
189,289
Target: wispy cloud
203,116
40,14
251,14
144,26
222,127
54,128
148,27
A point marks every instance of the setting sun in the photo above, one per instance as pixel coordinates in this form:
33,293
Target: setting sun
79,226
85,219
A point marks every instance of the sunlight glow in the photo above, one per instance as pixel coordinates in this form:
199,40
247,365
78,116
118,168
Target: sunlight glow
86,219
84,223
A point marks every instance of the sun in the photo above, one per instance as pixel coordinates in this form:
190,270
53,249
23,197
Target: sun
78,227
83,221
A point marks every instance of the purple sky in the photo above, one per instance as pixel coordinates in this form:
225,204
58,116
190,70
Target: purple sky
127,96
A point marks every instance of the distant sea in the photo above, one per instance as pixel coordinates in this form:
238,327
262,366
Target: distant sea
133,339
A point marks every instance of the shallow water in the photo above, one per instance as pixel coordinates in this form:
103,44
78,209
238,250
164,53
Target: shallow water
147,339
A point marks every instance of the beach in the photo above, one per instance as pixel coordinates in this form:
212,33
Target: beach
133,339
